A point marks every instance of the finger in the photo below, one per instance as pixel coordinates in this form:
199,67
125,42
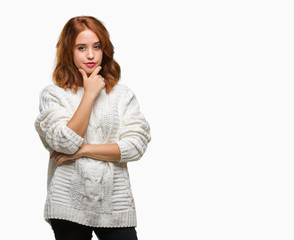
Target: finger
57,157
64,157
84,74
96,71
59,161
62,160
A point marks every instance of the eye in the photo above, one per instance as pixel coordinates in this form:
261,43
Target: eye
81,48
97,46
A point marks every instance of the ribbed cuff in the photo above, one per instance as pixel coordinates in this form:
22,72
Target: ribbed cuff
126,153
75,140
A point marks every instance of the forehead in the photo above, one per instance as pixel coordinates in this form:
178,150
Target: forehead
86,37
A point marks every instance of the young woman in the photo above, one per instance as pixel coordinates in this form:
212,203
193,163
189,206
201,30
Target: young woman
92,126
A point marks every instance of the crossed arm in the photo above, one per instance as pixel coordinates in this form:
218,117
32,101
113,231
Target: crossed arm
79,123
64,134
102,152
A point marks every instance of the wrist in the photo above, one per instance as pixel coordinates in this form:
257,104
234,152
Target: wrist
83,150
89,97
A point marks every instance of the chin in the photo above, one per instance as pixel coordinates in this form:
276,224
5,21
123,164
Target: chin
89,71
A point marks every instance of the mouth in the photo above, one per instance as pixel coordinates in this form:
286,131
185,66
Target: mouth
90,64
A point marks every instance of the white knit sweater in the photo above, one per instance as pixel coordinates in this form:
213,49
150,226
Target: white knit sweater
87,191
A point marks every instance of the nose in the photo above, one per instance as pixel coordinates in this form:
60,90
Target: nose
90,54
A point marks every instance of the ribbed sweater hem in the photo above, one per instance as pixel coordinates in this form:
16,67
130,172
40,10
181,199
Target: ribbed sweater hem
115,219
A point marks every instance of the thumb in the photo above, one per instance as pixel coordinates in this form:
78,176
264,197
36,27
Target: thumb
84,74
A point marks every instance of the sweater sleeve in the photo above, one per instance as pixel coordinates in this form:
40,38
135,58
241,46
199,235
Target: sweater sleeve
51,124
135,132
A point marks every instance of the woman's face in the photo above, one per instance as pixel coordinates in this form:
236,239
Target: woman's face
87,53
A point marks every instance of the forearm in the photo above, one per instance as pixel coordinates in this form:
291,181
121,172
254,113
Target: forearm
80,120
103,152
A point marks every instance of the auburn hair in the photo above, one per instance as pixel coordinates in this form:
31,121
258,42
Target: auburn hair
66,75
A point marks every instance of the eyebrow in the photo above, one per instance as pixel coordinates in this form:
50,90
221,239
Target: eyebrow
83,44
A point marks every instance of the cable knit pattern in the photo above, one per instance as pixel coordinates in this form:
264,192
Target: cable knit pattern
88,191
51,123
134,134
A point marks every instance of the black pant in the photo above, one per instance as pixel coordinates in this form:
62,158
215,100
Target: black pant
66,230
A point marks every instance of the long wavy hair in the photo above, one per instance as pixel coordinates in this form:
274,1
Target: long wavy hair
66,74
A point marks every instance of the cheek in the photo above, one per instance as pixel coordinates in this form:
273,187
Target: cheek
76,59
100,56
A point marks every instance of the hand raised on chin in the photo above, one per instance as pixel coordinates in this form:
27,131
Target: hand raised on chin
94,83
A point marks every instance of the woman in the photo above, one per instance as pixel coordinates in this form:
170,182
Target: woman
92,127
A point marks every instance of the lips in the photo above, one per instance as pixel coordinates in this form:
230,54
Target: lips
90,64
